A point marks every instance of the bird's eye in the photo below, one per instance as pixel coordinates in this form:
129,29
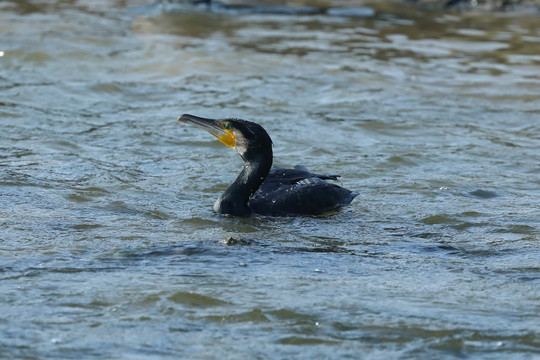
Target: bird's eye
228,126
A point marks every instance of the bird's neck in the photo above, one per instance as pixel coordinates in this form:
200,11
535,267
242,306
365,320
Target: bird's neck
234,200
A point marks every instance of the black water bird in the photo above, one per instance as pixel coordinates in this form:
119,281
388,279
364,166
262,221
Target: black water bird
263,189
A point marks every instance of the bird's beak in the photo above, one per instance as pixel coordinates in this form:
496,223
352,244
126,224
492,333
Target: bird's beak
214,127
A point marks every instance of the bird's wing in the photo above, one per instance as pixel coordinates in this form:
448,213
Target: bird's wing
300,199
300,174
298,191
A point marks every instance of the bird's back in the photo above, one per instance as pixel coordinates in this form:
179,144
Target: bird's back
298,192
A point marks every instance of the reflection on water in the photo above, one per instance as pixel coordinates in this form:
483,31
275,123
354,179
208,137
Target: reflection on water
108,244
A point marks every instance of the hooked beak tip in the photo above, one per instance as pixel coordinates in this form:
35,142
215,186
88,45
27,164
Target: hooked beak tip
182,118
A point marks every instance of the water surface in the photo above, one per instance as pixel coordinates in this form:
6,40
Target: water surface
108,244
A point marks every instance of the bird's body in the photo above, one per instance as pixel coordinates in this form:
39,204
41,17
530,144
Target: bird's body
263,190
298,192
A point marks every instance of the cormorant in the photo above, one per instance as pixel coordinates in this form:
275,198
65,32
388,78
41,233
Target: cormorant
261,189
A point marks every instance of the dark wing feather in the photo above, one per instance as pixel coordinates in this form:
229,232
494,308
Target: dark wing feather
298,192
293,176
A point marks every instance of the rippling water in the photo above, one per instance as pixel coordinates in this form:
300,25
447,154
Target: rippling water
108,244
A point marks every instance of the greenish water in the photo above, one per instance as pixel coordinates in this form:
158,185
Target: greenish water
108,244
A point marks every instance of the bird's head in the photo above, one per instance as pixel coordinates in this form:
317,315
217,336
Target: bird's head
247,138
